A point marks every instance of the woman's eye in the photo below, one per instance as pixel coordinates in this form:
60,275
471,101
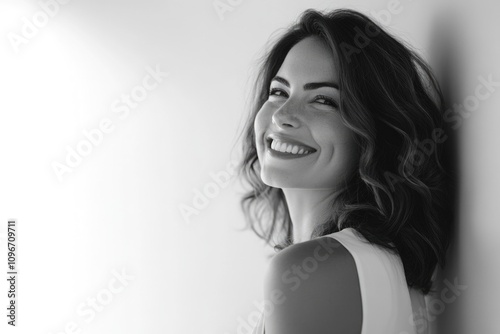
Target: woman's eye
321,99
277,92
327,101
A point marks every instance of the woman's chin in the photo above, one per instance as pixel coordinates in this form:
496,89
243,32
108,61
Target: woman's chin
277,180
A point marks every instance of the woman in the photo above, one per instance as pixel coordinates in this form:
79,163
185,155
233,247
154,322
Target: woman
342,152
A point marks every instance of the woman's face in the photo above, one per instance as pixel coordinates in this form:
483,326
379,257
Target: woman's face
301,139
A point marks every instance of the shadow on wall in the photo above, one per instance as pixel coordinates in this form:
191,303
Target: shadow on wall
444,305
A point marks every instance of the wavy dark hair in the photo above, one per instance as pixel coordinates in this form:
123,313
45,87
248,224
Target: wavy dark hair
392,101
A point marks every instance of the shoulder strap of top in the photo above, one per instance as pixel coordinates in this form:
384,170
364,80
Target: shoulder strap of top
387,301
389,307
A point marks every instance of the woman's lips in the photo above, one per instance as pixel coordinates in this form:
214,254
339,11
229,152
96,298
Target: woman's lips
288,141
295,149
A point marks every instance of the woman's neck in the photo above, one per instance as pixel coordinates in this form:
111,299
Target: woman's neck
308,208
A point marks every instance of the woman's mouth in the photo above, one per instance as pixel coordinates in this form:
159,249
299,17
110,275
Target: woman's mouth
282,149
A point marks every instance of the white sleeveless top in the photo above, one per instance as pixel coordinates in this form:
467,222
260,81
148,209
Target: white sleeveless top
389,305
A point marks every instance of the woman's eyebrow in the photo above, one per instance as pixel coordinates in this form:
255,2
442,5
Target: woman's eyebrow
308,86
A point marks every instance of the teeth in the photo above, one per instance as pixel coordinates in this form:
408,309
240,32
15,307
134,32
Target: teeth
288,148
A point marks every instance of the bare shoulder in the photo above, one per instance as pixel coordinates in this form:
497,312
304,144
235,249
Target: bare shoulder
313,287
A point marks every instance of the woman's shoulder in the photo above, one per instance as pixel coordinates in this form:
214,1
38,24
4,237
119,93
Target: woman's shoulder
380,270
318,275
311,253
318,258
363,250
385,293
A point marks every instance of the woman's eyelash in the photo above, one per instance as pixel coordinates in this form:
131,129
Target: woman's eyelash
272,91
328,101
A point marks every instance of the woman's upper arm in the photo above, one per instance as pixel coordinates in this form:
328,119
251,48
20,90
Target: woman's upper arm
313,287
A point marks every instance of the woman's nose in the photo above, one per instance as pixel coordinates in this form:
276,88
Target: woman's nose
286,116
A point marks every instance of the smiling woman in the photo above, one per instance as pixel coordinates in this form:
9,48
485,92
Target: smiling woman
302,113
328,153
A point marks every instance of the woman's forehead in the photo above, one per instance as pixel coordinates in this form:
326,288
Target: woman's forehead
309,60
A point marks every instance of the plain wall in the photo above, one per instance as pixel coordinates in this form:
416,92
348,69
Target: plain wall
120,208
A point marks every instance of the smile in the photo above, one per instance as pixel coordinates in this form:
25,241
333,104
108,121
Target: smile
283,149
289,148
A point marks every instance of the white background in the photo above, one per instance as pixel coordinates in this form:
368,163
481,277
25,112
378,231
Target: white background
119,209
